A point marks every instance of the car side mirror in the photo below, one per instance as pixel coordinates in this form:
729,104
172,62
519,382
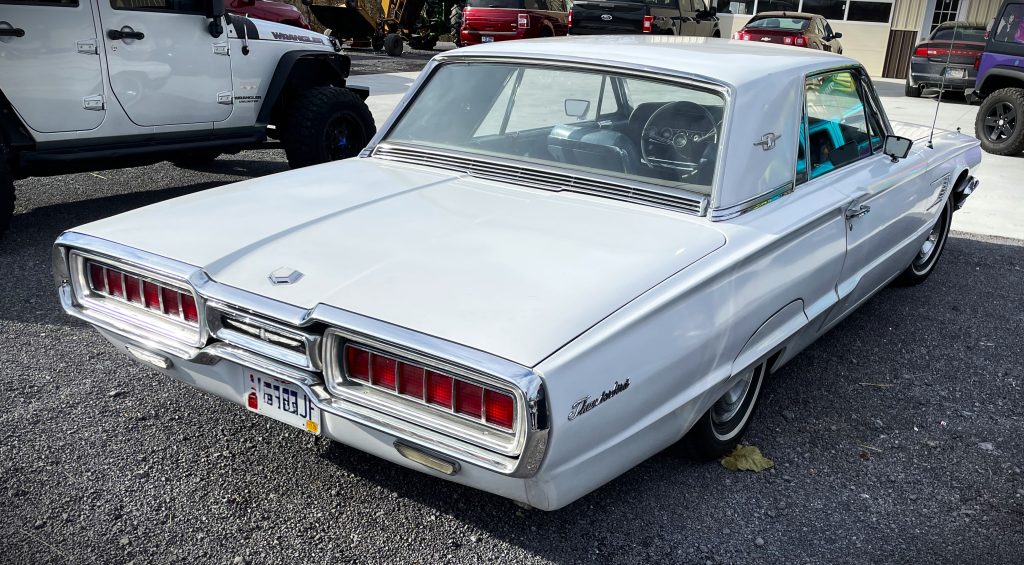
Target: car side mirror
897,147
576,108
712,10
837,35
215,11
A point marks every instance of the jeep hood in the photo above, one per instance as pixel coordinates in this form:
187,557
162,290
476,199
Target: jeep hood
512,271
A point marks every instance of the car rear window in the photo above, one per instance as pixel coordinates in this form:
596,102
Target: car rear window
775,22
513,4
959,34
1010,27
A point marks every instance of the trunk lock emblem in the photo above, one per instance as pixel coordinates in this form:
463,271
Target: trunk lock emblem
284,275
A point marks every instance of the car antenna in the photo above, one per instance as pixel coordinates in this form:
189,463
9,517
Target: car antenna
942,85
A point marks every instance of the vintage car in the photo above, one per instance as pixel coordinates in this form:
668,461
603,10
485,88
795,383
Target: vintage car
533,282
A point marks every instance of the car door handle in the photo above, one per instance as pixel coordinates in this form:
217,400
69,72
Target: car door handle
122,34
857,211
12,32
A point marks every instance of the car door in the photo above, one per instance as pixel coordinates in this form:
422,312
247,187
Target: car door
165,66
50,70
889,202
687,18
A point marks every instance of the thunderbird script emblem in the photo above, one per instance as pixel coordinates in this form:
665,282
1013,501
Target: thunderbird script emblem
586,404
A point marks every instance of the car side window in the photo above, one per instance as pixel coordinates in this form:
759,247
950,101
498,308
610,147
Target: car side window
838,130
170,6
828,30
1010,27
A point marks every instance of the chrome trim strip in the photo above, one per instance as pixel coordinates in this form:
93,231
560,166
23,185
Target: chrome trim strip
216,309
751,203
544,177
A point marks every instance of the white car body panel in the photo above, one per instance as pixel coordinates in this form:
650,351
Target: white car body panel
649,312
168,87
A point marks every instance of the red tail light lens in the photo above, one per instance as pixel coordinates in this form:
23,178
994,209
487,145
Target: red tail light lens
469,399
97,281
499,409
648,24
189,311
523,20
410,380
439,389
151,295
170,298
357,362
800,41
570,18
384,371
133,290
742,36
977,61
114,287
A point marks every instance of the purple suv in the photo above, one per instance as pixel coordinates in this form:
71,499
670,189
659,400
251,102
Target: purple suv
1000,84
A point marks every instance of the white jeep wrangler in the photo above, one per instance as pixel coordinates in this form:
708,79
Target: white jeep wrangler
99,84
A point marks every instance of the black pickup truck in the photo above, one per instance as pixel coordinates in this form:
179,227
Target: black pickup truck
657,17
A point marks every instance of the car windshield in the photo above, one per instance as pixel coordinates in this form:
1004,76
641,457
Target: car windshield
960,34
596,122
775,22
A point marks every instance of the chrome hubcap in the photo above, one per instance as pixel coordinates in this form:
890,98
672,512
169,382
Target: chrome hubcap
727,406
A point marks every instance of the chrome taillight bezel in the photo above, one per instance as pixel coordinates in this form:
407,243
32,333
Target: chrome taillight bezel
447,421
220,316
122,310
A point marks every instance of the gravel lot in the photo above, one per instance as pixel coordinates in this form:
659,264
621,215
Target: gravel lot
897,439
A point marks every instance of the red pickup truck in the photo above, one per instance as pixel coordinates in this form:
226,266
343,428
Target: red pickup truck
484,21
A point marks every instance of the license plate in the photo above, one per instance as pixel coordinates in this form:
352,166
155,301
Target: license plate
956,73
281,400
487,38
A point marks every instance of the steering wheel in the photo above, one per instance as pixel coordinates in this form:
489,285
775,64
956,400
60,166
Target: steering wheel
665,144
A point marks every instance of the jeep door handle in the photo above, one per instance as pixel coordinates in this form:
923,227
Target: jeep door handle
122,34
12,32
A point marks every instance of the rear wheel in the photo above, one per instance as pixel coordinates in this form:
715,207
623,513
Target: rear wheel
327,124
928,255
911,90
393,45
6,192
720,429
1000,122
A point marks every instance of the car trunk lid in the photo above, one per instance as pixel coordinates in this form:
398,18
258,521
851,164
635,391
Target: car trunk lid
594,16
956,53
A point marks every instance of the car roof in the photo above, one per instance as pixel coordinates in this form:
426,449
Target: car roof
961,24
796,15
729,62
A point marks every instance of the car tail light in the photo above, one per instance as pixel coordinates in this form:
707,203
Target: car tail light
944,52
800,41
570,18
648,24
452,394
742,36
119,284
523,20
499,408
977,61
383,371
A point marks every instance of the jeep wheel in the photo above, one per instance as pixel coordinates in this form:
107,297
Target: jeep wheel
6,193
327,124
1000,122
393,45
195,158
911,90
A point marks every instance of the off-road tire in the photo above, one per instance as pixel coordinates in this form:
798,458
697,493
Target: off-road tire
6,193
911,91
393,45
1014,142
377,43
195,158
320,115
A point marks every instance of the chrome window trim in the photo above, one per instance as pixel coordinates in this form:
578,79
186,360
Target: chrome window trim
177,329
656,74
752,204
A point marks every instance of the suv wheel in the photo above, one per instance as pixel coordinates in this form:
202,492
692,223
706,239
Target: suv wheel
327,124
6,192
393,45
1000,122
912,90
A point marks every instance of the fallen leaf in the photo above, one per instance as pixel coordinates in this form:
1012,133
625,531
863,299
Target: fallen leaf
747,458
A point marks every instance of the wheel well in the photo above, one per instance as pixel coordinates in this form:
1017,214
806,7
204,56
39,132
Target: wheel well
296,73
997,80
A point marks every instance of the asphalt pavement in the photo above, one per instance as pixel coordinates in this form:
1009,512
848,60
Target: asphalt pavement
896,438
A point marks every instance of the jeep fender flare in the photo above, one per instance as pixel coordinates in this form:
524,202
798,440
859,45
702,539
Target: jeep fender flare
298,71
1001,76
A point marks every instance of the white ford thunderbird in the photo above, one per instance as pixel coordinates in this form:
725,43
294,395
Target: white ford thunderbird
555,259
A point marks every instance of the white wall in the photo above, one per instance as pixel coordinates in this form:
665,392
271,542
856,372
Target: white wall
864,42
